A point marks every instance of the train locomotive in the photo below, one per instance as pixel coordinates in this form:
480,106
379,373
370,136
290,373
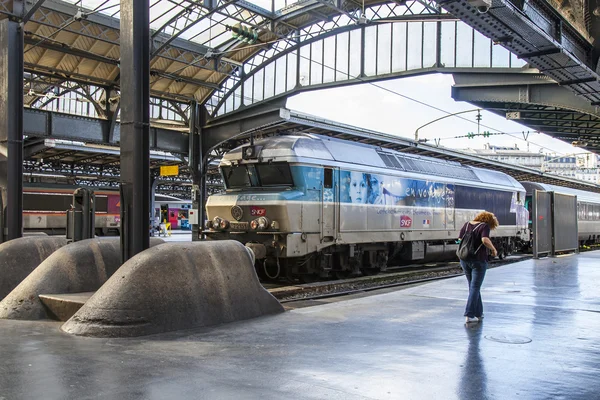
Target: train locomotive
315,207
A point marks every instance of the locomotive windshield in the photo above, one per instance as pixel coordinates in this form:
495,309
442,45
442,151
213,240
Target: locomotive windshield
266,175
236,177
276,174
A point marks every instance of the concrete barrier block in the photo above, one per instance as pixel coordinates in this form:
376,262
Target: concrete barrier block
19,257
82,266
176,286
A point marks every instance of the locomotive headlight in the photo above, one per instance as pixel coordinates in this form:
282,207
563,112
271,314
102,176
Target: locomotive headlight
216,222
254,225
263,223
208,224
224,224
275,225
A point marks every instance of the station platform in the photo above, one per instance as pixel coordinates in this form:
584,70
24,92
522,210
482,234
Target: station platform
540,339
177,235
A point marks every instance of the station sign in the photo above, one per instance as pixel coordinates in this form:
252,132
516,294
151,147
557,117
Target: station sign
169,170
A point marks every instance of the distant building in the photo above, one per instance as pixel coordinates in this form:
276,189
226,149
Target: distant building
563,166
509,155
583,167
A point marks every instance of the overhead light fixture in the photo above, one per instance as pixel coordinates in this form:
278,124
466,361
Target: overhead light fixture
482,6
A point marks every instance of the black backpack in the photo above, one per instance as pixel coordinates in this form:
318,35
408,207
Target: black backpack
467,249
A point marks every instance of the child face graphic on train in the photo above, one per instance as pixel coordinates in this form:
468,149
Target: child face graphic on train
358,188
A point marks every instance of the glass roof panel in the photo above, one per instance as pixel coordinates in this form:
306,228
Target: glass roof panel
107,7
191,23
160,15
162,11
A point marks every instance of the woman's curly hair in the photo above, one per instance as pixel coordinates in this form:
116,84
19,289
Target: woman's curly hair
488,218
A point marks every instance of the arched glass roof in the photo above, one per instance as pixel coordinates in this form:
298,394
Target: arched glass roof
73,46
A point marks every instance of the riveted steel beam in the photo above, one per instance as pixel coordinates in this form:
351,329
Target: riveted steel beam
541,35
527,89
53,125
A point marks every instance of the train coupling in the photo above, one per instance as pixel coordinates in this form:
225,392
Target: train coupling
259,250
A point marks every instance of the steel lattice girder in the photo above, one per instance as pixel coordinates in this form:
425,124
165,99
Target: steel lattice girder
541,104
46,124
182,60
539,34
291,68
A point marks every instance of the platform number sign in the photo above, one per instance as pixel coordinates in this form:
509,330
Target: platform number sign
169,170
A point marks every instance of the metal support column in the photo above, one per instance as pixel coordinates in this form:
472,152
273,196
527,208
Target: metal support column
196,160
11,128
135,127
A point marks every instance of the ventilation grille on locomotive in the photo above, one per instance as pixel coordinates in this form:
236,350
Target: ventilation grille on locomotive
427,167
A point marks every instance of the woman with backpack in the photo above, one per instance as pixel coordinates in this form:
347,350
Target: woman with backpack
473,253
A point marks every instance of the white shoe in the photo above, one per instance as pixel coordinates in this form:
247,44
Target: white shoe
471,320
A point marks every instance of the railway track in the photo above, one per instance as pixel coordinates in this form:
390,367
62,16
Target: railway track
401,276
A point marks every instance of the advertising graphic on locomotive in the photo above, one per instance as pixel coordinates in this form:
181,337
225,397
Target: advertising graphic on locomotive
312,206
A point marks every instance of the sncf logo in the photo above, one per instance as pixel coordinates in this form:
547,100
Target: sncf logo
405,221
258,211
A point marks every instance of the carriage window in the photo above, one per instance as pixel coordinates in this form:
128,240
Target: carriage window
236,177
276,174
328,179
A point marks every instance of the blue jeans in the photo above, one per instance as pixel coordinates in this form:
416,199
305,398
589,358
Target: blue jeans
475,272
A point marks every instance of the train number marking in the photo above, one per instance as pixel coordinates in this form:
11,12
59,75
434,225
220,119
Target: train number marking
405,221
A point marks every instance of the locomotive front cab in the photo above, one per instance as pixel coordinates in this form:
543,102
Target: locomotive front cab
256,200
268,205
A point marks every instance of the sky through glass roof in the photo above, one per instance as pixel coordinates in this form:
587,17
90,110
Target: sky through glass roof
189,20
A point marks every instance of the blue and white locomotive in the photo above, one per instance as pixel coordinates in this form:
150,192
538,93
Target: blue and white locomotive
311,206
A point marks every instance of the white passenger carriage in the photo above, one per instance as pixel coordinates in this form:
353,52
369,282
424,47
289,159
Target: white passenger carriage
588,209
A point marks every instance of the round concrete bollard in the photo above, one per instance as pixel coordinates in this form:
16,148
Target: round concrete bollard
19,257
176,286
82,266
